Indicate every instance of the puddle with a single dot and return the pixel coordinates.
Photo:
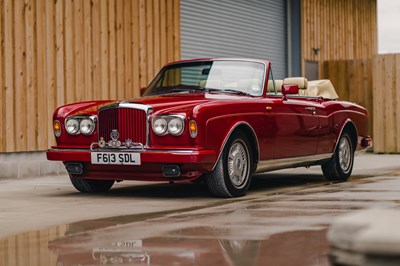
(191, 246)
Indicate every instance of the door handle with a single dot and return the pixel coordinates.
(312, 109)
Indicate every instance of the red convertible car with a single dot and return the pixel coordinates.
(216, 120)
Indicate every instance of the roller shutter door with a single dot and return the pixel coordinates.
(233, 28)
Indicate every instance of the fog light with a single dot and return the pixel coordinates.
(74, 168)
(171, 170)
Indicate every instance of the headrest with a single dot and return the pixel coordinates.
(278, 85)
(299, 81)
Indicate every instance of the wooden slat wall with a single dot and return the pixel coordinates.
(340, 29)
(386, 96)
(375, 84)
(353, 82)
(31, 248)
(57, 52)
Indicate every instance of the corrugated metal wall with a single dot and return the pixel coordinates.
(233, 28)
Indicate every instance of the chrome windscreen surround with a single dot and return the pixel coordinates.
(129, 143)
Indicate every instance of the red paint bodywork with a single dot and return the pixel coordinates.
(280, 127)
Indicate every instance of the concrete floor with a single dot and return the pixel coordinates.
(180, 224)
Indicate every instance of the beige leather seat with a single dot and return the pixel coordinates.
(299, 81)
(278, 85)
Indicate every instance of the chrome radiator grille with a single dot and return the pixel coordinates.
(131, 124)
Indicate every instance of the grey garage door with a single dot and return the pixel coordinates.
(234, 28)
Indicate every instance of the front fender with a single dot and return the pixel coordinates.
(220, 129)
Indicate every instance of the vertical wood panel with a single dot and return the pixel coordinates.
(128, 48)
(2, 95)
(176, 32)
(32, 64)
(142, 44)
(378, 84)
(105, 62)
(79, 47)
(120, 63)
(62, 51)
(386, 101)
(96, 38)
(170, 31)
(163, 29)
(112, 50)
(397, 101)
(20, 75)
(157, 35)
(149, 40)
(136, 47)
(46, 140)
(88, 50)
(41, 97)
(353, 82)
(69, 42)
(341, 29)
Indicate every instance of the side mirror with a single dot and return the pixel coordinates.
(289, 89)
(142, 90)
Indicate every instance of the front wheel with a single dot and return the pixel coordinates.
(340, 166)
(91, 185)
(232, 174)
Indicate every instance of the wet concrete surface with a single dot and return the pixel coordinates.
(282, 221)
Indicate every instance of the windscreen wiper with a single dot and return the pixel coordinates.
(229, 91)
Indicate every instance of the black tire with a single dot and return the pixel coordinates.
(91, 185)
(231, 176)
(340, 166)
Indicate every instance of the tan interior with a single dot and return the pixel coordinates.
(315, 88)
(321, 88)
(299, 81)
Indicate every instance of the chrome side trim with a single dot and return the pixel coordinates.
(293, 162)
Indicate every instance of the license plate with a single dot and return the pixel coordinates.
(124, 158)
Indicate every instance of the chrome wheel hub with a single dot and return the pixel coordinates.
(345, 156)
(238, 164)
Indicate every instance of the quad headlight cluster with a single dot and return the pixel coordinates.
(168, 124)
(80, 125)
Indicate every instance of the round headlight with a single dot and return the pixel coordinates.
(87, 126)
(72, 126)
(160, 126)
(175, 126)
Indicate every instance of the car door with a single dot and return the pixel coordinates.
(297, 127)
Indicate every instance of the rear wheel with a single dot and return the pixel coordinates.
(91, 185)
(232, 174)
(340, 166)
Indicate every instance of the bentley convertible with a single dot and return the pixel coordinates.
(212, 120)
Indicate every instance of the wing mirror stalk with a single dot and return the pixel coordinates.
(289, 89)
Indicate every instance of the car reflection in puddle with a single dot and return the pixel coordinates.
(190, 246)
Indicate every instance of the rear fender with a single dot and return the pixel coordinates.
(347, 124)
